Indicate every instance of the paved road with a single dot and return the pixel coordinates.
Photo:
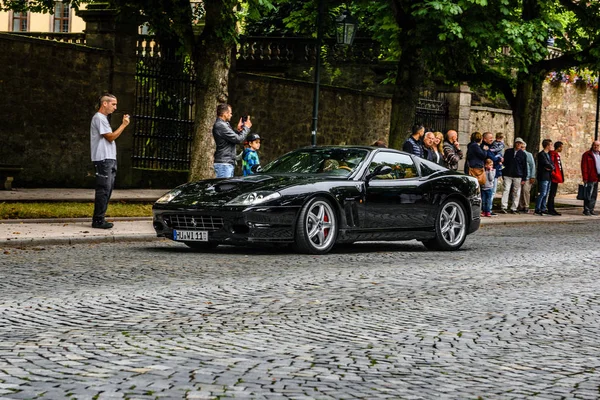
(515, 314)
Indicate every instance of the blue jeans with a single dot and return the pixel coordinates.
(486, 200)
(106, 171)
(540, 202)
(223, 170)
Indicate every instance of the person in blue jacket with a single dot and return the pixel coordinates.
(250, 156)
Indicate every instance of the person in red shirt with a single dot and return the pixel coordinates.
(590, 171)
(557, 176)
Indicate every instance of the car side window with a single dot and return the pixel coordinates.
(402, 165)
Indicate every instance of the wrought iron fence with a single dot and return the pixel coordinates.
(163, 120)
(273, 52)
(432, 111)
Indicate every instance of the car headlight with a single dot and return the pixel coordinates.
(169, 196)
(253, 198)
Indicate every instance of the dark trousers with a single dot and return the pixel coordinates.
(551, 196)
(106, 171)
(590, 202)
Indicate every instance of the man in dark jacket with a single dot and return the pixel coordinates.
(514, 175)
(590, 171)
(544, 177)
(414, 143)
(226, 139)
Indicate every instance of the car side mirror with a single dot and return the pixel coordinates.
(255, 168)
(379, 170)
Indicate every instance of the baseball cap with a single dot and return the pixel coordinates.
(519, 140)
(252, 137)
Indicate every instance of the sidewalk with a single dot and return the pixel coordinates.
(17, 233)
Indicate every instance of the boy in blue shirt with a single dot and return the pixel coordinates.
(250, 156)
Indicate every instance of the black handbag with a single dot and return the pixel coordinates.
(582, 192)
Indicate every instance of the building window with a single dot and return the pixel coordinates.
(62, 17)
(20, 21)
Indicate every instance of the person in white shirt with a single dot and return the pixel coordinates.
(104, 157)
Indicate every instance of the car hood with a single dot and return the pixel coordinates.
(217, 192)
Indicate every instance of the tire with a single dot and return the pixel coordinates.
(317, 228)
(204, 246)
(450, 227)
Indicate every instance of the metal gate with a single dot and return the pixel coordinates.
(432, 112)
(163, 118)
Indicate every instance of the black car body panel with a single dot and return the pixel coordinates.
(401, 206)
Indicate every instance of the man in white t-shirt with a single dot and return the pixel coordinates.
(104, 157)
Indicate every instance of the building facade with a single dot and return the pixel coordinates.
(63, 20)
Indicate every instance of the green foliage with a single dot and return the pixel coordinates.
(71, 210)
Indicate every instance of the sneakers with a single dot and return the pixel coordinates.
(513, 211)
(493, 214)
(554, 212)
(503, 211)
(102, 225)
(586, 212)
(540, 213)
(486, 214)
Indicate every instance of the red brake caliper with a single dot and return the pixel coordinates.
(326, 230)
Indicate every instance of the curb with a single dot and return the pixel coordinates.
(78, 240)
(68, 220)
(543, 220)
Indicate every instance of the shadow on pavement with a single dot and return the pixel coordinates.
(355, 248)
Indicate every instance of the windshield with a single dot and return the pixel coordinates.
(331, 161)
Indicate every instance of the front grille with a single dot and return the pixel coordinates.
(194, 222)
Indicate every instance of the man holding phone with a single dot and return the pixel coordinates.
(104, 157)
(226, 139)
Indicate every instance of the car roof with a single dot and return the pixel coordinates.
(351, 146)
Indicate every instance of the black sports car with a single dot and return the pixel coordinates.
(316, 197)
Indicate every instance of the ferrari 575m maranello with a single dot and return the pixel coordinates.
(316, 197)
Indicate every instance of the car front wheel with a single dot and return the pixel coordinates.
(316, 230)
(450, 227)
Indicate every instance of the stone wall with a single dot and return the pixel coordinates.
(486, 119)
(49, 90)
(569, 115)
(281, 112)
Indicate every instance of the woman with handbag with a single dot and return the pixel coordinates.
(590, 170)
(476, 157)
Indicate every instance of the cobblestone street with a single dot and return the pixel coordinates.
(514, 314)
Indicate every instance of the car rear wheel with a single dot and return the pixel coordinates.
(450, 227)
(201, 245)
(317, 227)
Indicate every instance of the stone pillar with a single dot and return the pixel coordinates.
(111, 30)
(459, 112)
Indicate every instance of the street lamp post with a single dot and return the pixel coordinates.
(345, 32)
(320, 12)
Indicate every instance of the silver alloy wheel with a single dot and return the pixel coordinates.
(453, 224)
(320, 225)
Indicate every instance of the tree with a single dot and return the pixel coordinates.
(500, 44)
(409, 33)
(211, 51)
(506, 48)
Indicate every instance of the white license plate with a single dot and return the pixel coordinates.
(190, 236)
